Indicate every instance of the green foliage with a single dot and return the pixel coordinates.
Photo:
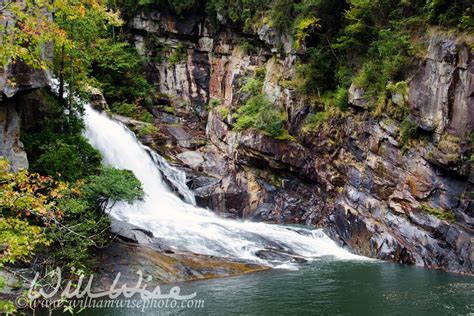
(444, 215)
(147, 129)
(177, 7)
(400, 109)
(146, 117)
(181, 6)
(408, 130)
(7, 307)
(86, 49)
(68, 159)
(118, 72)
(451, 13)
(85, 209)
(304, 26)
(313, 121)
(247, 46)
(132, 110)
(238, 11)
(341, 97)
(56, 146)
(169, 109)
(178, 54)
(387, 60)
(123, 108)
(214, 103)
(253, 86)
(466, 21)
(86, 26)
(315, 74)
(27, 203)
(223, 111)
(20, 239)
(279, 13)
(259, 113)
(38, 211)
(112, 185)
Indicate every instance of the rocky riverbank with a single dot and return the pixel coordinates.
(355, 177)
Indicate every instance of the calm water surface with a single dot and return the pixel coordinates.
(328, 287)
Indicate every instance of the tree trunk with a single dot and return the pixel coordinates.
(61, 74)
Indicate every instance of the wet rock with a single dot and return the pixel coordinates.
(203, 187)
(277, 255)
(97, 99)
(160, 267)
(130, 233)
(182, 137)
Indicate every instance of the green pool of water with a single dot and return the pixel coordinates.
(326, 287)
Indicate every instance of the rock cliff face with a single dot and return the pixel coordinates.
(442, 92)
(10, 145)
(17, 80)
(18, 84)
(354, 178)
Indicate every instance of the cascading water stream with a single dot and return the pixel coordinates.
(180, 224)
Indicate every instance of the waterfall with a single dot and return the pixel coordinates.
(180, 224)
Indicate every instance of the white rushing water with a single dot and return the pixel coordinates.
(183, 226)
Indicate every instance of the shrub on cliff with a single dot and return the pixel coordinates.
(258, 112)
(118, 70)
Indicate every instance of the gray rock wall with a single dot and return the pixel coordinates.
(10, 144)
(442, 91)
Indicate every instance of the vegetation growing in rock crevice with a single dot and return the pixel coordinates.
(55, 145)
(445, 215)
(177, 54)
(258, 112)
(408, 131)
